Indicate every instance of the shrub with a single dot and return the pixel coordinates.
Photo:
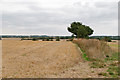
(94, 48)
(51, 39)
(43, 39)
(57, 39)
(34, 39)
(108, 39)
(22, 39)
(62, 37)
(103, 74)
(47, 39)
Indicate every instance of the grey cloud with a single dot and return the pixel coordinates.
(111, 5)
(54, 21)
(34, 23)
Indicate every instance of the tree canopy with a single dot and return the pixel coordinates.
(80, 30)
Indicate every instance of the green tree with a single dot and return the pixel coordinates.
(80, 30)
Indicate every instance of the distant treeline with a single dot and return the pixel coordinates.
(61, 37)
(38, 37)
(101, 37)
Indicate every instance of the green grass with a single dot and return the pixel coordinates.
(103, 74)
(114, 57)
(84, 55)
(113, 67)
(97, 64)
(112, 70)
(114, 45)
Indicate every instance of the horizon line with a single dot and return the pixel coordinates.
(50, 35)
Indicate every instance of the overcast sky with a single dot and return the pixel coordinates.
(52, 17)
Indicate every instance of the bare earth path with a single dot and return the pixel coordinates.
(37, 59)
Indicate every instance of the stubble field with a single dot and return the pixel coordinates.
(0, 59)
(44, 59)
(37, 58)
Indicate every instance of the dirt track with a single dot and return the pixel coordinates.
(38, 59)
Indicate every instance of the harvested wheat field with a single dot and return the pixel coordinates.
(0, 59)
(43, 59)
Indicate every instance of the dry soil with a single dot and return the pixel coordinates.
(44, 59)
